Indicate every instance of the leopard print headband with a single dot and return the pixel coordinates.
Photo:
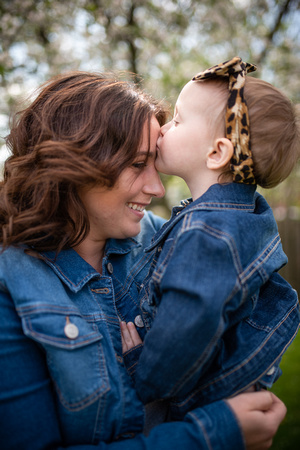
(237, 118)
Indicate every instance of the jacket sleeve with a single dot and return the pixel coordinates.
(200, 277)
(29, 418)
(211, 427)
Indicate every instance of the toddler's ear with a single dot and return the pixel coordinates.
(220, 154)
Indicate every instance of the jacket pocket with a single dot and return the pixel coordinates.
(75, 356)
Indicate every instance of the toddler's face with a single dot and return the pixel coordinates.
(185, 141)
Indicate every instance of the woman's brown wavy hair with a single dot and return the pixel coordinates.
(82, 129)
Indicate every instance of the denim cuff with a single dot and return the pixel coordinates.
(220, 426)
(131, 359)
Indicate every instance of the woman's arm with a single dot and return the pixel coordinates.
(214, 427)
(29, 417)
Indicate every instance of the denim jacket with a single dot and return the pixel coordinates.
(224, 315)
(62, 378)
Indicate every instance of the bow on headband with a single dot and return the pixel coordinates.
(237, 118)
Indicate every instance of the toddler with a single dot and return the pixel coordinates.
(223, 315)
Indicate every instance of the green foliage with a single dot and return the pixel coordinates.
(288, 389)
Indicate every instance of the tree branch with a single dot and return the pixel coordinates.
(284, 9)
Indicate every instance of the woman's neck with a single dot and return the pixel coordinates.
(92, 252)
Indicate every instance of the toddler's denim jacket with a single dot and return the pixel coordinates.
(223, 315)
(63, 383)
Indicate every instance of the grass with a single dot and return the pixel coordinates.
(288, 389)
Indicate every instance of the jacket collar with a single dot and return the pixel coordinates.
(230, 197)
(74, 271)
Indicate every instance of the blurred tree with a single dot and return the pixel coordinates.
(162, 44)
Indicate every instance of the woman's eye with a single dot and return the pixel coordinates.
(139, 165)
(175, 122)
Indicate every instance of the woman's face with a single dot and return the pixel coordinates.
(117, 212)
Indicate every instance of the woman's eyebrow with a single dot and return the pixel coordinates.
(147, 153)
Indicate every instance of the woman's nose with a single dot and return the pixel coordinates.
(153, 185)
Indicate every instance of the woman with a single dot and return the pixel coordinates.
(73, 230)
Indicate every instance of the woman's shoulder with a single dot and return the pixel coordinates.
(14, 260)
(150, 224)
(152, 220)
(13, 254)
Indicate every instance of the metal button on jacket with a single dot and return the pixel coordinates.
(71, 330)
(110, 268)
(271, 371)
(139, 321)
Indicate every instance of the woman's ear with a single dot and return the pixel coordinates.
(220, 154)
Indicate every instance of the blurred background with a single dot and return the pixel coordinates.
(161, 45)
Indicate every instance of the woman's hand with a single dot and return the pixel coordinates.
(259, 414)
(130, 337)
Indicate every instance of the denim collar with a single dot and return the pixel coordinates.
(74, 271)
(231, 196)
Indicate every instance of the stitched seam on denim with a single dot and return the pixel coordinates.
(104, 316)
(47, 308)
(136, 303)
(110, 319)
(242, 274)
(131, 369)
(122, 393)
(159, 271)
(161, 267)
(51, 340)
(262, 258)
(25, 311)
(222, 206)
(223, 377)
(83, 403)
(272, 364)
(226, 238)
(147, 317)
(167, 227)
(186, 227)
(98, 419)
(203, 357)
(245, 362)
(131, 276)
(128, 294)
(202, 206)
(258, 327)
(202, 427)
(81, 282)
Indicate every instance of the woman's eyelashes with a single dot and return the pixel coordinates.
(139, 165)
